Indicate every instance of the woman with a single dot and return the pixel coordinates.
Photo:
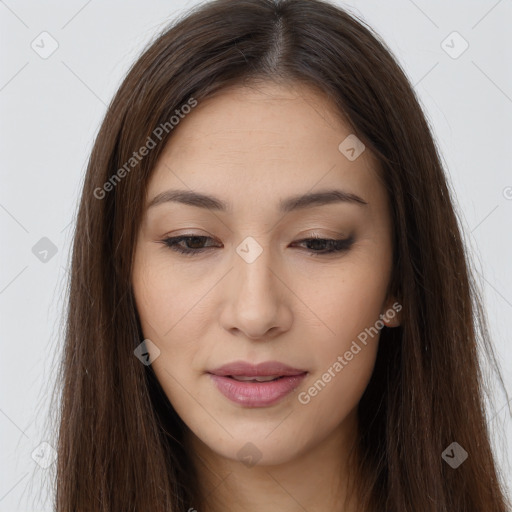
(270, 305)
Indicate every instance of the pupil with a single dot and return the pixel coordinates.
(317, 244)
(195, 240)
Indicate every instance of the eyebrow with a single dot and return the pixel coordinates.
(287, 205)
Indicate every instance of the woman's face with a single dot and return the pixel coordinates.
(254, 289)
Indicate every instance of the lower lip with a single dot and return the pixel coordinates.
(257, 394)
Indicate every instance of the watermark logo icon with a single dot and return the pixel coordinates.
(45, 45)
(249, 250)
(44, 250)
(249, 454)
(454, 455)
(45, 455)
(351, 147)
(147, 352)
(454, 45)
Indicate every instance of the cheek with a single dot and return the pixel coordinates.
(167, 303)
(166, 306)
(346, 301)
(165, 300)
(346, 339)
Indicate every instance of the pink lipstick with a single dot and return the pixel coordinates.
(258, 385)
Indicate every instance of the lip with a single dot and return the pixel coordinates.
(256, 394)
(243, 368)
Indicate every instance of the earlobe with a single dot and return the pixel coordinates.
(395, 322)
(390, 315)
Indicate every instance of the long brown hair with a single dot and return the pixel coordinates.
(120, 442)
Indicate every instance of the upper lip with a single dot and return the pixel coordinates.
(245, 369)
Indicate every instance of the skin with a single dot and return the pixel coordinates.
(252, 147)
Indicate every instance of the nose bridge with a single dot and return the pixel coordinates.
(255, 300)
(253, 275)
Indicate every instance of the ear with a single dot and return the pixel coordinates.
(390, 314)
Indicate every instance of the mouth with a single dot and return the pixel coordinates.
(260, 385)
(245, 378)
(243, 369)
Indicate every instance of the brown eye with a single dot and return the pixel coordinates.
(320, 246)
(193, 244)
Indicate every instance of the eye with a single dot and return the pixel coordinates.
(193, 240)
(316, 246)
(320, 246)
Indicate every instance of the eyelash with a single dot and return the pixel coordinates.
(337, 246)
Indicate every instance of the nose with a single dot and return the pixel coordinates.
(257, 299)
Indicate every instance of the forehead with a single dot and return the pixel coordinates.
(247, 143)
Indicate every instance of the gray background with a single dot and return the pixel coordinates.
(50, 112)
